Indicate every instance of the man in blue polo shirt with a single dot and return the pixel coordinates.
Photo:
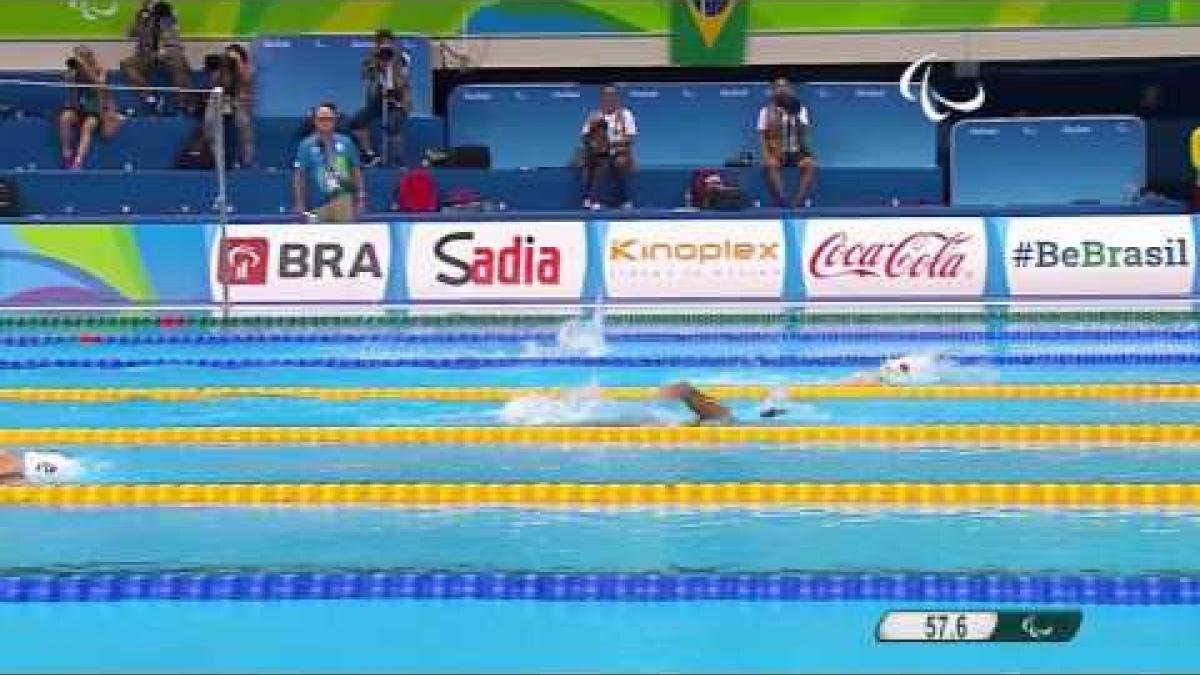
(326, 180)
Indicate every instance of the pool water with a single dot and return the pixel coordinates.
(581, 358)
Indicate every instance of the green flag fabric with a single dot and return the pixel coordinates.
(709, 32)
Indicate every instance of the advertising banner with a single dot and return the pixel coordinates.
(496, 261)
(694, 259)
(112, 264)
(295, 263)
(1100, 255)
(894, 257)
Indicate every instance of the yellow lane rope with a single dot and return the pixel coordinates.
(621, 495)
(1091, 435)
(1160, 391)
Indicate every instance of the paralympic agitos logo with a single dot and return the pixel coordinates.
(933, 103)
(522, 262)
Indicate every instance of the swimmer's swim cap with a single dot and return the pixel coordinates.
(48, 467)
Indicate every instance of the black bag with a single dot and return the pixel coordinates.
(197, 152)
(10, 198)
(727, 198)
(468, 157)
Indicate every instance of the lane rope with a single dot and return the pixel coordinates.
(615, 316)
(1076, 391)
(676, 361)
(627, 495)
(918, 587)
(641, 337)
(1041, 435)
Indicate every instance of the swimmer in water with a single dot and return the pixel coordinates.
(892, 371)
(38, 467)
(709, 410)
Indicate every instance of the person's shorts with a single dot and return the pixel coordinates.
(83, 113)
(795, 157)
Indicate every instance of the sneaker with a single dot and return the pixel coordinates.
(76, 163)
(590, 204)
(627, 205)
(370, 159)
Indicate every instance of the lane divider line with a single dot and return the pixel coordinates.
(1139, 359)
(921, 587)
(1121, 391)
(627, 495)
(975, 435)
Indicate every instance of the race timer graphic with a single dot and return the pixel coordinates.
(979, 626)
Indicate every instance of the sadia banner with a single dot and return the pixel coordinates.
(496, 261)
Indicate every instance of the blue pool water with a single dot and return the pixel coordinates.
(519, 636)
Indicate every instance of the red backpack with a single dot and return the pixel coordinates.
(702, 183)
(416, 192)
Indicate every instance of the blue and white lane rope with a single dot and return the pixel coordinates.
(1151, 589)
(631, 337)
(677, 361)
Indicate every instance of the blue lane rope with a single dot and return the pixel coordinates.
(469, 362)
(782, 335)
(1149, 589)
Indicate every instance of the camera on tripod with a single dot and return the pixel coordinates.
(160, 9)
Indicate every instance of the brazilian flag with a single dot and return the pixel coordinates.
(708, 32)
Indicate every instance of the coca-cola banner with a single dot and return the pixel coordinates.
(1100, 255)
(894, 257)
(695, 259)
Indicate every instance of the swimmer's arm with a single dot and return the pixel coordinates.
(10, 468)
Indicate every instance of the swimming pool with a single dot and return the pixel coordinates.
(539, 509)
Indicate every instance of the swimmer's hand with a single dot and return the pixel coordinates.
(768, 413)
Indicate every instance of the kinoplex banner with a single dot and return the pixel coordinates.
(694, 259)
(894, 257)
(496, 261)
(302, 263)
(1100, 255)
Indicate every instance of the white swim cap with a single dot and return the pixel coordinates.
(49, 467)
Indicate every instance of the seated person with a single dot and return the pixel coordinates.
(608, 136)
(158, 46)
(783, 131)
(88, 108)
(385, 76)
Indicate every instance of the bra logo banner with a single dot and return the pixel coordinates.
(93, 10)
(933, 104)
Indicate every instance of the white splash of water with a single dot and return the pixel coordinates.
(51, 467)
(584, 405)
(576, 337)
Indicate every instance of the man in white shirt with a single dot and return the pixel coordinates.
(783, 138)
(608, 136)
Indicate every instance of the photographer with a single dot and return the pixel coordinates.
(87, 108)
(783, 138)
(385, 75)
(158, 47)
(608, 136)
(232, 72)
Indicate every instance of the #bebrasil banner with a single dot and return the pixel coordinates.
(109, 19)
